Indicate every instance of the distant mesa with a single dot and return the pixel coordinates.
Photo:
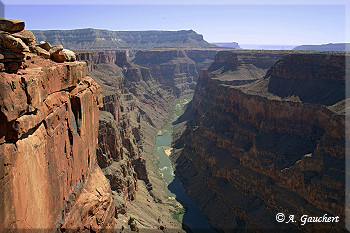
(267, 46)
(325, 47)
(233, 45)
(104, 39)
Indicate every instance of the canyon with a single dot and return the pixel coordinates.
(264, 133)
(249, 149)
(137, 101)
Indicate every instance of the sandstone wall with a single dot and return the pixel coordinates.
(49, 125)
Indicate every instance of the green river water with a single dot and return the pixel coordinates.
(193, 219)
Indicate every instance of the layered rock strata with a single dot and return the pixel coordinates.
(93, 58)
(273, 145)
(90, 38)
(176, 69)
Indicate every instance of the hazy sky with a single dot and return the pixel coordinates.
(225, 21)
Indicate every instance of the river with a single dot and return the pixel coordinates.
(193, 219)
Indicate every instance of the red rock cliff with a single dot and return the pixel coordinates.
(49, 124)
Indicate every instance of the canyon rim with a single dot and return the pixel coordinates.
(255, 139)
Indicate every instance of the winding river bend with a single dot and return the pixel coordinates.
(193, 219)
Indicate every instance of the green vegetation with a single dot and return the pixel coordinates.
(179, 213)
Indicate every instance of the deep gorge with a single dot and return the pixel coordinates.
(144, 91)
(263, 134)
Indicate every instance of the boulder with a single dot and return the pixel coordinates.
(42, 52)
(8, 42)
(55, 49)
(58, 56)
(64, 55)
(26, 36)
(69, 54)
(11, 25)
(45, 45)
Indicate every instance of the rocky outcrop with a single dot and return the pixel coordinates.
(15, 42)
(253, 150)
(48, 138)
(103, 39)
(12, 52)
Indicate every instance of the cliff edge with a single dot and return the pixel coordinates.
(49, 111)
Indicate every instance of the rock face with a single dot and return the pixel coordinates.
(176, 69)
(113, 154)
(92, 206)
(104, 39)
(48, 137)
(93, 58)
(267, 146)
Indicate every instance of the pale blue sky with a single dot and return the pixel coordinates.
(245, 24)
